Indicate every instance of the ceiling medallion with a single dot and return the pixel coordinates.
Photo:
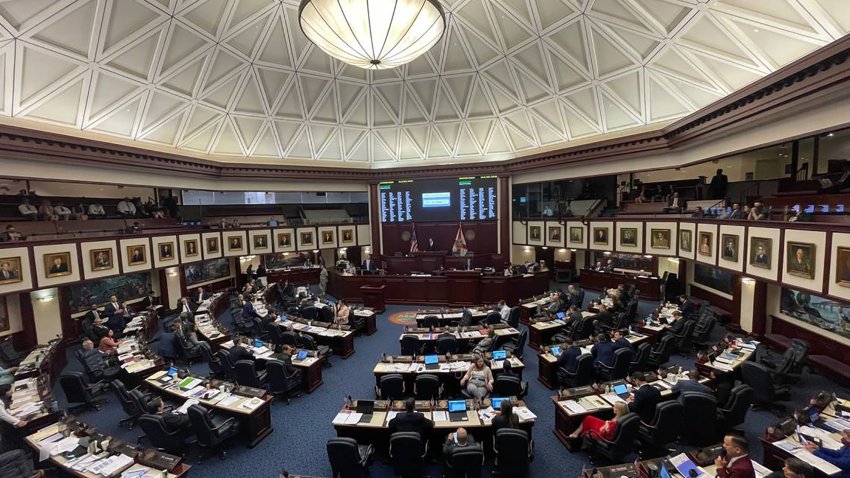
(373, 34)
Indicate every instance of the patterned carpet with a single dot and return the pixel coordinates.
(405, 317)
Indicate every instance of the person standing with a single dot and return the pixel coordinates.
(323, 280)
(718, 185)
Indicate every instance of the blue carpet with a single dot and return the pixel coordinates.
(302, 428)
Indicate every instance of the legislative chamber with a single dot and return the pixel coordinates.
(412, 238)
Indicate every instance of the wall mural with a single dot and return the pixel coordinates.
(821, 312)
(126, 287)
(207, 271)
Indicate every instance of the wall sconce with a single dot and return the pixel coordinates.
(46, 298)
(749, 281)
(674, 260)
(526, 249)
(562, 250)
(573, 250)
(607, 253)
(171, 271)
(544, 248)
(648, 256)
(315, 251)
(246, 258)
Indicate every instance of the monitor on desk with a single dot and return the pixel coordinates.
(500, 354)
(258, 343)
(556, 350)
(302, 354)
(496, 402)
(172, 371)
(560, 315)
(431, 359)
(457, 406)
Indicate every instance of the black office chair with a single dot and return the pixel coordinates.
(132, 407)
(216, 368)
(310, 313)
(189, 351)
(698, 408)
(226, 365)
(620, 445)
(284, 380)
(640, 361)
(660, 354)
(766, 392)
(683, 339)
(427, 387)
(733, 413)
(504, 386)
(289, 338)
(410, 345)
(391, 387)
(97, 371)
(78, 390)
(620, 368)
(465, 462)
(492, 318)
(447, 344)
(8, 353)
(582, 329)
(514, 450)
(247, 375)
(517, 347)
(348, 459)
(584, 373)
(274, 333)
(407, 454)
(663, 429)
(212, 431)
(430, 322)
(513, 318)
(159, 436)
(16, 464)
(326, 314)
(307, 342)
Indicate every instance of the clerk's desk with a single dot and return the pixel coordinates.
(650, 286)
(151, 462)
(311, 367)
(254, 414)
(455, 288)
(465, 335)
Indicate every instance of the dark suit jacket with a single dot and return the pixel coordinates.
(604, 318)
(569, 359)
(369, 265)
(179, 307)
(90, 316)
(646, 398)
(198, 298)
(678, 326)
(109, 310)
(239, 352)
(176, 421)
(683, 386)
(603, 352)
(622, 343)
(742, 468)
(411, 422)
(248, 311)
(688, 308)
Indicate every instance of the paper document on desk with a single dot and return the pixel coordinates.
(524, 414)
(592, 402)
(826, 440)
(486, 414)
(612, 398)
(686, 467)
(347, 417)
(391, 414)
(573, 406)
(184, 409)
(229, 399)
(440, 416)
(66, 444)
(253, 403)
(761, 470)
(721, 366)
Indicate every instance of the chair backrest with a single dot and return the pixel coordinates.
(281, 378)
(430, 321)
(168, 346)
(409, 344)
(513, 319)
(622, 362)
(641, 357)
(246, 374)
(584, 373)
(583, 329)
(520, 343)
(447, 344)
(307, 342)
(226, 365)
(289, 338)
(427, 387)
(310, 312)
(158, 434)
(668, 416)
(466, 462)
(505, 386)
(757, 376)
(345, 458)
(622, 443)
(698, 408)
(127, 403)
(392, 387)
(512, 452)
(203, 425)
(326, 314)
(406, 452)
(212, 361)
(274, 333)
(493, 318)
(74, 386)
(735, 410)
(7, 349)
(664, 348)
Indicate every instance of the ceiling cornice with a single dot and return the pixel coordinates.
(811, 75)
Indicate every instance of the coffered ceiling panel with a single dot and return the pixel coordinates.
(231, 79)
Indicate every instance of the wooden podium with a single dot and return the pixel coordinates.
(373, 296)
(464, 287)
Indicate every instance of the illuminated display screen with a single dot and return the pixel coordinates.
(462, 199)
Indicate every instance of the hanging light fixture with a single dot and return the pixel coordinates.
(373, 34)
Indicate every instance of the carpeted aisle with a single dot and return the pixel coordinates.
(302, 428)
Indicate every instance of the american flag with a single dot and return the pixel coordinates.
(414, 244)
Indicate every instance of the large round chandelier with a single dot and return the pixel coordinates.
(373, 34)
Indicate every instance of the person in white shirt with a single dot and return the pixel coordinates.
(548, 212)
(96, 210)
(184, 307)
(5, 396)
(504, 310)
(28, 210)
(62, 211)
(126, 207)
(7, 375)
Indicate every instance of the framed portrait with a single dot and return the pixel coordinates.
(600, 235)
(660, 238)
(555, 233)
(306, 238)
(800, 259)
(4, 314)
(761, 249)
(327, 237)
(842, 271)
(136, 255)
(57, 264)
(166, 251)
(284, 239)
(261, 241)
(686, 240)
(212, 245)
(628, 236)
(346, 236)
(191, 247)
(729, 246)
(234, 243)
(705, 247)
(576, 234)
(534, 233)
(10, 270)
(101, 259)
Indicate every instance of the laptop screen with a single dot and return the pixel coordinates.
(172, 371)
(430, 359)
(496, 402)
(365, 406)
(499, 355)
(302, 354)
(621, 389)
(258, 343)
(556, 350)
(560, 315)
(813, 414)
(457, 405)
(664, 473)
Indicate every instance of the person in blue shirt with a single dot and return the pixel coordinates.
(839, 458)
(603, 351)
(569, 356)
(7, 375)
(620, 340)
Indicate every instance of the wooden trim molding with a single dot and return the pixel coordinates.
(801, 80)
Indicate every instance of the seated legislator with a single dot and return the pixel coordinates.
(603, 351)
(341, 311)
(456, 441)
(199, 296)
(115, 313)
(7, 375)
(691, 384)
(5, 398)
(478, 380)
(736, 463)
(644, 399)
(95, 361)
(11, 235)
(505, 417)
(504, 310)
(599, 267)
(239, 352)
(369, 265)
(568, 359)
(486, 344)
(794, 468)
(411, 421)
(184, 306)
(27, 210)
(150, 301)
(620, 341)
(839, 458)
(573, 294)
(95, 322)
(108, 345)
(598, 428)
(174, 422)
(603, 318)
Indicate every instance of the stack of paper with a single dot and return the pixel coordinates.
(347, 417)
(184, 409)
(573, 407)
(253, 403)
(441, 416)
(524, 414)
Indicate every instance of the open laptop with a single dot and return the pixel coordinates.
(302, 354)
(172, 371)
(457, 411)
(555, 351)
(500, 354)
(496, 402)
(258, 343)
(560, 315)
(621, 390)
(366, 407)
(432, 362)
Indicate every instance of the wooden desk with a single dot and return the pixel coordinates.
(650, 288)
(341, 339)
(44, 359)
(370, 316)
(450, 371)
(256, 423)
(471, 334)
(528, 307)
(547, 364)
(311, 367)
(541, 331)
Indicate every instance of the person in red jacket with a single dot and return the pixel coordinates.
(736, 463)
